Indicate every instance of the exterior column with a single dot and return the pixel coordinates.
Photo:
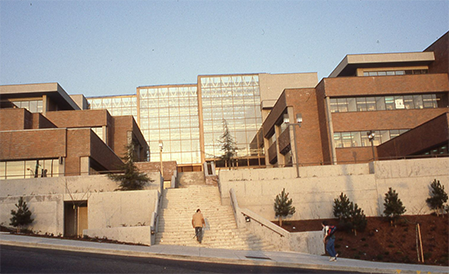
(331, 131)
(85, 165)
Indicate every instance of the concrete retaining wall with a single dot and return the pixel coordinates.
(314, 192)
(117, 215)
(67, 185)
(305, 242)
(136, 235)
(47, 212)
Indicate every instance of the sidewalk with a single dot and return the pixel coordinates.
(224, 256)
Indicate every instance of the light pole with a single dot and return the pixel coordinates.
(298, 123)
(161, 146)
(371, 136)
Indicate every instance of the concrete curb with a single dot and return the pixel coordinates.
(273, 259)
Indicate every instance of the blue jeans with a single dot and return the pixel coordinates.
(330, 248)
(199, 233)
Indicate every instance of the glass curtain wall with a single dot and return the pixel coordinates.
(235, 99)
(116, 105)
(170, 114)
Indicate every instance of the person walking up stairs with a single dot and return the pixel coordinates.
(175, 221)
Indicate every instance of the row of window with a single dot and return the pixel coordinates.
(29, 169)
(241, 80)
(419, 101)
(33, 106)
(395, 72)
(360, 138)
(442, 150)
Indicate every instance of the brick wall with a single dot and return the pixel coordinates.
(15, 119)
(386, 85)
(78, 145)
(149, 167)
(32, 144)
(78, 118)
(102, 154)
(308, 137)
(440, 49)
(423, 137)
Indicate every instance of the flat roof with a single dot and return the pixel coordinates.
(350, 63)
(53, 90)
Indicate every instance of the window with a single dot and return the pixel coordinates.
(337, 140)
(360, 138)
(397, 102)
(408, 102)
(429, 101)
(389, 103)
(361, 104)
(380, 103)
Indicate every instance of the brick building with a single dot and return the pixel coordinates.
(400, 97)
(45, 133)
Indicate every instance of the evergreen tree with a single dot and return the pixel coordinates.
(342, 208)
(358, 218)
(283, 206)
(130, 178)
(22, 216)
(350, 215)
(393, 206)
(437, 197)
(228, 145)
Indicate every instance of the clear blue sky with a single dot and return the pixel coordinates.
(100, 48)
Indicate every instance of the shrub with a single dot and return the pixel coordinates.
(350, 216)
(437, 197)
(342, 208)
(283, 206)
(393, 206)
(22, 216)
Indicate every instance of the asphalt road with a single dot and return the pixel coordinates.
(32, 260)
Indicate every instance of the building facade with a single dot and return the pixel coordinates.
(44, 133)
(186, 121)
(366, 101)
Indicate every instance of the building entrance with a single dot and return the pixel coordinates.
(75, 218)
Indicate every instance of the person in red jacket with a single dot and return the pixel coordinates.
(329, 240)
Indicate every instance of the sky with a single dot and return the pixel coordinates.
(100, 48)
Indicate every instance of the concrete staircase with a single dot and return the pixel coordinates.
(175, 222)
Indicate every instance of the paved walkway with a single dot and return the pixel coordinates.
(224, 256)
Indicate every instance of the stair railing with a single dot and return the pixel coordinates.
(155, 219)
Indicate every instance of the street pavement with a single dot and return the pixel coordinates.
(222, 256)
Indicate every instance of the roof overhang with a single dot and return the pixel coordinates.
(350, 63)
(53, 90)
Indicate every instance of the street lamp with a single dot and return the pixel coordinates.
(161, 146)
(298, 123)
(371, 136)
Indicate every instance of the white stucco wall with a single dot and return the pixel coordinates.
(313, 194)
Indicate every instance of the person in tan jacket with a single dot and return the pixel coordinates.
(198, 223)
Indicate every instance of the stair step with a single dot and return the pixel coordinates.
(179, 205)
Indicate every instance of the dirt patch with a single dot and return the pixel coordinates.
(382, 242)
